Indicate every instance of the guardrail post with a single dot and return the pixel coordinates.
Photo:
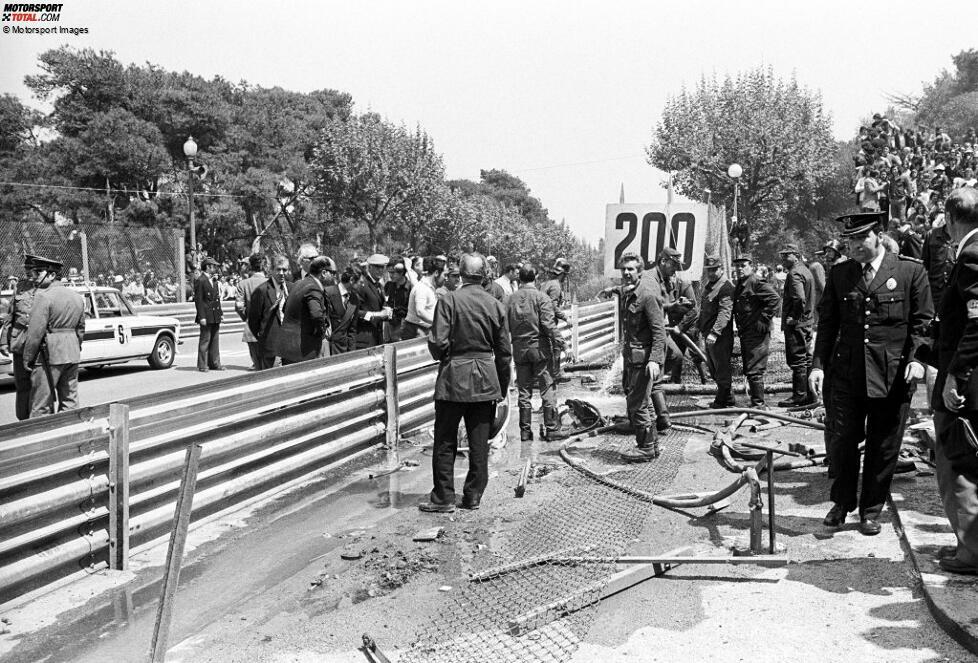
(118, 486)
(181, 265)
(174, 554)
(617, 315)
(393, 405)
(575, 336)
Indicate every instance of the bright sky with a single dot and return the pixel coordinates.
(563, 94)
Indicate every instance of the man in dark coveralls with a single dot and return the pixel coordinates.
(643, 353)
(12, 335)
(873, 331)
(470, 340)
(754, 305)
(797, 317)
(555, 288)
(956, 394)
(715, 324)
(530, 315)
(52, 347)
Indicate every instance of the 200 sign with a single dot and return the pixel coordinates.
(658, 218)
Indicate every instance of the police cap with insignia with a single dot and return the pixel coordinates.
(42, 264)
(670, 253)
(744, 257)
(712, 263)
(857, 224)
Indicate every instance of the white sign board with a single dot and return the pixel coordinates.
(647, 228)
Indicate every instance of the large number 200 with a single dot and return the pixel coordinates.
(660, 236)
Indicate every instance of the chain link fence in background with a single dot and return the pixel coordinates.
(129, 258)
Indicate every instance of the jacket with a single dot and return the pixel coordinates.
(798, 304)
(371, 296)
(207, 300)
(957, 343)
(263, 314)
(671, 290)
(716, 308)
(342, 320)
(18, 317)
(470, 340)
(243, 297)
(754, 304)
(869, 333)
(532, 326)
(306, 318)
(643, 324)
(58, 321)
(938, 257)
(555, 290)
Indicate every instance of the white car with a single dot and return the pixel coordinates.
(114, 334)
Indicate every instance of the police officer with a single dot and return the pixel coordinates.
(797, 308)
(52, 347)
(715, 324)
(832, 255)
(754, 304)
(554, 288)
(470, 340)
(938, 256)
(12, 336)
(643, 353)
(530, 315)
(873, 334)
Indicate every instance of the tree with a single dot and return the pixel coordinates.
(951, 101)
(368, 170)
(775, 129)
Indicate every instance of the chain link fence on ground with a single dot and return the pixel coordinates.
(126, 257)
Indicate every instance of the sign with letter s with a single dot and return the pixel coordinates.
(647, 228)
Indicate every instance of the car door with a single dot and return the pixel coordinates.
(114, 329)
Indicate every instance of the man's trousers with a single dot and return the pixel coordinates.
(478, 418)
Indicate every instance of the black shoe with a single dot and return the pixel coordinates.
(662, 423)
(526, 436)
(869, 526)
(954, 565)
(835, 517)
(434, 507)
(471, 504)
(203, 370)
(789, 402)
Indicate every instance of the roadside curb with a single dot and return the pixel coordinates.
(923, 530)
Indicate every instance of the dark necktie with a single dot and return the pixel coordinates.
(868, 274)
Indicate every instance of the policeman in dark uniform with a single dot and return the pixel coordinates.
(533, 329)
(52, 345)
(754, 304)
(679, 307)
(470, 340)
(12, 335)
(832, 255)
(715, 325)
(938, 256)
(555, 288)
(872, 335)
(797, 317)
(643, 353)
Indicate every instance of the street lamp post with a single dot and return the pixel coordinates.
(734, 171)
(190, 151)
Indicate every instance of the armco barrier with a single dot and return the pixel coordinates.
(78, 488)
(187, 314)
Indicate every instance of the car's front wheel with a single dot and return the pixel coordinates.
(163, 353)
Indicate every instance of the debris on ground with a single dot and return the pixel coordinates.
(430, 534)
(395, 568)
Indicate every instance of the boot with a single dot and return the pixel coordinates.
(553, 430)
(526, 424)
(756, 390)
(662, 422)
(647, 447)
(799, 391)
(702, 371)
(724, 399)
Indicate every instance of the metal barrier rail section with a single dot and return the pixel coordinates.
(186, 313)
(78, 489)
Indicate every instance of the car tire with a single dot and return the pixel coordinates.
(164, 352)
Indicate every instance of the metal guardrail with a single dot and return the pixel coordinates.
(78, 488)
(186, 313)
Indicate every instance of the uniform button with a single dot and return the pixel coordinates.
(867, 299)
(866, 341)
(865, 326)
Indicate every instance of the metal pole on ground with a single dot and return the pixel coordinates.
(174, 554)
(393, 406)
(118, 486)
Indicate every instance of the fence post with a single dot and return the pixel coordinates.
(181, 263)
(575, 336)
(83, 236)
(617, 314)
(393, 405)
(174, 554)
(118, 486)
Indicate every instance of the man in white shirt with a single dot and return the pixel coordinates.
(508, 280)
(421, 303)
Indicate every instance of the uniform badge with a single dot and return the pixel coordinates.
(973, 309)
(891, 284)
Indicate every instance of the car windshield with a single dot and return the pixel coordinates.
(111, 305)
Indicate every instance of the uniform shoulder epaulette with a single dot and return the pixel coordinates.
(911, 259)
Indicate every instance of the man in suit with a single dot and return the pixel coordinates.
(266, 311)
(14, 330)
(246, 287)
(874, 333)
(797, 318)
(373, 310)
(207, 299)
(715, 324)
(754, 304)
(305, 315)
(343, 305)
(956, 393)
(470, 340)
(52, 347)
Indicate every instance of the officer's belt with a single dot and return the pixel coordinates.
(473, 355)
(63, 330)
